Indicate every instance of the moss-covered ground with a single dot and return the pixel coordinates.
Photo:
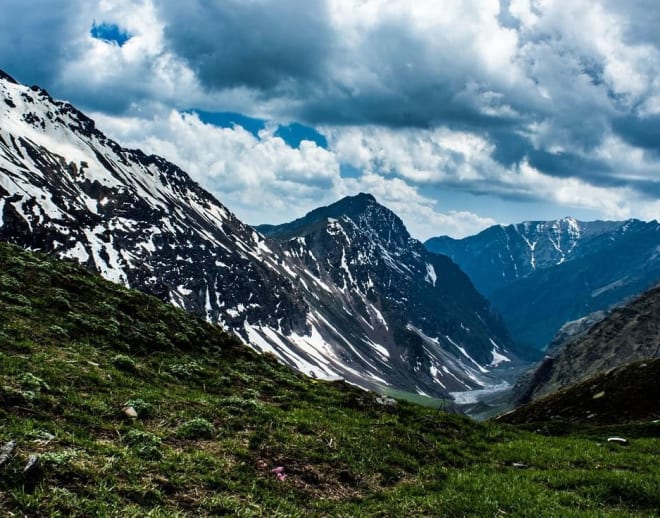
(213, 420)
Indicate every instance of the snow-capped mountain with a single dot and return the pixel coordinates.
(542, 274)
(139, 220)
(417, 309)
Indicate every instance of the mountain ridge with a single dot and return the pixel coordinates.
(562, 269)
(139, 220)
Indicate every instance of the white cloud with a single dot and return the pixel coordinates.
(264, 180)
(464, 161)
(255, 175)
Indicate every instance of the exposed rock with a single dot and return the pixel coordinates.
(32, 466)
(618, 440)
(6, 453)
(386, 401)
(129, 412)
(629, 333)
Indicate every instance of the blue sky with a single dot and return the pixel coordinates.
(456, 114)
(109, 33)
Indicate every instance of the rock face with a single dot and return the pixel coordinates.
(629, 393)
(629, 333)
(354, 298)
(539, 275)
(417, 309)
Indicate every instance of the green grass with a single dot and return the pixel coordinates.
(215, 418)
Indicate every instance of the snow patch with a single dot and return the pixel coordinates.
(470, 397)
(498, 357)
(431, 276)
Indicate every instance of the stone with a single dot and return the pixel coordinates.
(129, 412)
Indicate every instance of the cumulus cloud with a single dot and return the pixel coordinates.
(545, 82)
(523, 100)
(248, 172)
(465, 161)
(266, 180)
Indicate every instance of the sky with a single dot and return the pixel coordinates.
(456, 114)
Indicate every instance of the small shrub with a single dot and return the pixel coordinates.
(31, 382)
(18, 299)
(145, 445)
(58, 458)
(59, 331)
(60, 300)
(7, 281)
(198, 428)
(185, 370)
(124, 362)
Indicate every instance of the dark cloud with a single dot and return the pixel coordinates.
(289, 49)
(642, 19)
(261, 44)
(643, 132)
(566, 165)
(35, 38)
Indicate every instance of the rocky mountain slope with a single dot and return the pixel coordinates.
(418, 306)
(139, 220)
(629, 333)
(625, 394)
(539, 275)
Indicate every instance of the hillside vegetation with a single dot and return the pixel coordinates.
(79, 355)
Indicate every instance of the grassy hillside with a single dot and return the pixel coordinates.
(213, 420)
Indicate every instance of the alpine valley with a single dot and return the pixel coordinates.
(343, 292)
(541, 274)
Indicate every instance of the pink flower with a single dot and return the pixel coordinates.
(279, 471)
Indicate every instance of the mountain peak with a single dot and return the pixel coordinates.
(348, 206)
(356, 297)
(589, 265)
(362, 209)
(362, 197)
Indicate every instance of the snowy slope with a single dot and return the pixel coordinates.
(417, 311)
(139, 220)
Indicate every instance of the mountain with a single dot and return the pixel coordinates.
(539, 275)
(625, 394)
(419, 307)
(66, 189)
(125, 406)
(629, 333)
